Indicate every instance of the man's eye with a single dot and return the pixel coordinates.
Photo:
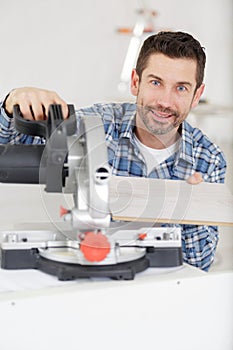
(181, 88)
(156, 82)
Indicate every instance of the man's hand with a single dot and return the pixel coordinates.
(195, 179)
(33, 102)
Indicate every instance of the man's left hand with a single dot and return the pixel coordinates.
(195, 179)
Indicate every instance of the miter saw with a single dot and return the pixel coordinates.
(76, 162)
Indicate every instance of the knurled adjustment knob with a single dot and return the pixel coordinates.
(95, 246)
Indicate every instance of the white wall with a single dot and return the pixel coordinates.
(72, 46)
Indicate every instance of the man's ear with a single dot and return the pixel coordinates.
(197, 95)
(134, 82)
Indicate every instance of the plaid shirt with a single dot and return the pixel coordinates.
(196, 153)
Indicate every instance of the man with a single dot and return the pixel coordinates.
(150, 138)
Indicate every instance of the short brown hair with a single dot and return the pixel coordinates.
(174, 45)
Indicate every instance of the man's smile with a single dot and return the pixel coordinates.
(161, 116)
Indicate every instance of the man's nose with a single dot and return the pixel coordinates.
(165, 98)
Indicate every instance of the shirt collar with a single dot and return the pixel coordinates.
(186, 145)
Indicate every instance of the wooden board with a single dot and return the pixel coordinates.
(170, 201)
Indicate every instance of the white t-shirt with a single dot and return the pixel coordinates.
(155, 156)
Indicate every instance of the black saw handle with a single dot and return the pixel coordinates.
(39, 164)
(45, 128)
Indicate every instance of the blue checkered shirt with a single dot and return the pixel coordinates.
(196, 153)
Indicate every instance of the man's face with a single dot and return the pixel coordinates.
(166, 93)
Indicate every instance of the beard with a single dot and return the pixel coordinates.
(157, 127)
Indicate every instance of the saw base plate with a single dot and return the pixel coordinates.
(66, 272)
